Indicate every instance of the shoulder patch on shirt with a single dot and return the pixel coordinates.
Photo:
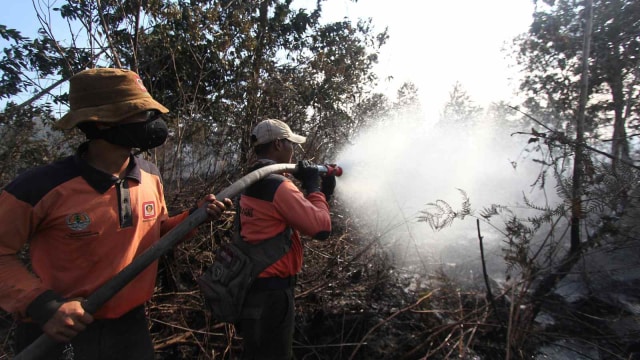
(78, 221)
(265, 189)
(32, 185)
(148, 167)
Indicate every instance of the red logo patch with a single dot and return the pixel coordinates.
(141, 85)
(148, 210)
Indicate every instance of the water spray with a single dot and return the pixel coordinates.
(39, 348)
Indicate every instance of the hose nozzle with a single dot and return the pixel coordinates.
(329, 170)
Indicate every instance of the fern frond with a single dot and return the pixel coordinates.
(439, 215)
(493, 210)
(466, 205)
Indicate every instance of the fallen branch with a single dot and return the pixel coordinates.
(362, 341)
(486, 276)
(176, 339)
(326, 282)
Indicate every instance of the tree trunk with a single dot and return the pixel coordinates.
(576, 212)
(253, 88)
(549, 282)
(619, 145)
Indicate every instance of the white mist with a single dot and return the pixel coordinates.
(394, 169)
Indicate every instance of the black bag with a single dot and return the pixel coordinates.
(227, 281)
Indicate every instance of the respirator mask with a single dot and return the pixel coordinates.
(143, 135)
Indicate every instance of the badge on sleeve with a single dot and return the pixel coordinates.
(148, 210)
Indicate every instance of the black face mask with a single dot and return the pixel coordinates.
(142, 135)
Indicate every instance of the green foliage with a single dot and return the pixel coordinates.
(551, 55)
(220, 66)
(506, 117)
(460, 109)
(26, 142)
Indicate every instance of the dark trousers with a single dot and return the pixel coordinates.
(267, 322)
(124, 338)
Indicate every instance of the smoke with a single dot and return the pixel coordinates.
(395, 168)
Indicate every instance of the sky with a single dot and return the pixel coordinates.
(435, 44)
(20, 15)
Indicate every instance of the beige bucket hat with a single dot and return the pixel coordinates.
(106, 95)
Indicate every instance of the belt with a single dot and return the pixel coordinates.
(273, 283)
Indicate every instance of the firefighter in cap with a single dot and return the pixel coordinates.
(85, 218)
(275, 207)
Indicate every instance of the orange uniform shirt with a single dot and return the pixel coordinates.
(83, 226)
(274, 203)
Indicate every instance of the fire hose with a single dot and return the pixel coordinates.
(94, 302)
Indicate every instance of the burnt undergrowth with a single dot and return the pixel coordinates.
(354, 302)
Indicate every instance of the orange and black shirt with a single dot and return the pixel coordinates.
(83, 226)
(272, 204)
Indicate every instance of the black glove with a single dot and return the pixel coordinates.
(308, 175)
(328, 185)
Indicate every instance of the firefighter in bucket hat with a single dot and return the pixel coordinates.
(85, 218)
